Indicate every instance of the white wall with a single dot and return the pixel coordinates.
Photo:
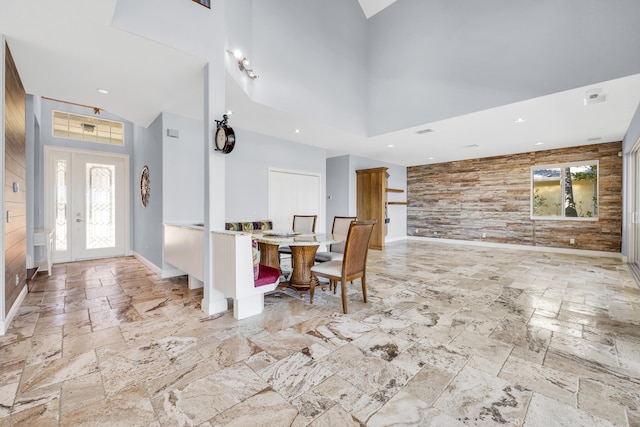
(147, 220)
(311, 56)
(397, 228)
(436, 59)
(339, 198)
(345, 189)
(183, 169)
(247, 168)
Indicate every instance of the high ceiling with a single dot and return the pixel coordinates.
(68, 49)
(371, 7)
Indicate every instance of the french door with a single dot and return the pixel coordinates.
(86, 203)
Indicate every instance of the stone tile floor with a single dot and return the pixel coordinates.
(451, 336)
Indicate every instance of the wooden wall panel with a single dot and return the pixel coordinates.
(15, 238)
(464, 199)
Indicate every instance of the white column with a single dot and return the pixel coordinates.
(213, 300)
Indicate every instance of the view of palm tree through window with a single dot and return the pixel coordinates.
(565, 191)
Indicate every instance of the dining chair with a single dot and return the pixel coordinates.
(353, 264)
(301, 224)
(336, 250)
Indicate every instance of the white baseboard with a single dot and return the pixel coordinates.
(4, 323)
(163, 273)
(582, 252)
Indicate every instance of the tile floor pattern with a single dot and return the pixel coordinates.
(451, 336)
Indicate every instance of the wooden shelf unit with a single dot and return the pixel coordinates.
(371, 197)
(396, 190)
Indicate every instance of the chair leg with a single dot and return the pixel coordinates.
(364, 286)
(312, 288)
(335, 286)
(344, 296)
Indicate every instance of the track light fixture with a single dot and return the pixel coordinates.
(243, 64)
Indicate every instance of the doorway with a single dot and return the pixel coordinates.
(86, 203)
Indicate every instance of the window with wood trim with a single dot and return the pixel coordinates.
(565, 191)
(87, 128)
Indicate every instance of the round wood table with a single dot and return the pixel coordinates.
(303, 252)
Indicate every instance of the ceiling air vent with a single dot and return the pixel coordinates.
(423, 131)
(88, 127)
(594, 96)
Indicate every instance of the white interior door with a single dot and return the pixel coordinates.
(293, 193)
(86, 203)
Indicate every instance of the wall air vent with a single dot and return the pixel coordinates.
(88, 127)
(423, 131)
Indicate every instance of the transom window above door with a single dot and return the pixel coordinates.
(87, 128)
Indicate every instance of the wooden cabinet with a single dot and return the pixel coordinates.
(371, 197)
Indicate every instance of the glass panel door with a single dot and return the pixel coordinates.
(85, 202)
(100, 221)
(98, 191)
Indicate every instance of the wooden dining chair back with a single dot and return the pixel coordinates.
(301, 224)
(304, 223)
(336, 250)
(340, 227)
(353, 265)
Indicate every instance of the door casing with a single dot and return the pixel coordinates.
(49, 192)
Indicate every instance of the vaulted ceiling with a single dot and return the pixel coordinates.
(468, 94)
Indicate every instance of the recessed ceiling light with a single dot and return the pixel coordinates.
(297, 131)
(471, 146)
(390, 146)
(103, 91)
(431, 158)
(539, 143)
(520, 120)
(229, 113)
(420, 132)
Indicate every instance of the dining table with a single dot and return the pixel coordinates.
(303, 252)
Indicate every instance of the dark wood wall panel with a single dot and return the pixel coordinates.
(15, 238)
(462, 200)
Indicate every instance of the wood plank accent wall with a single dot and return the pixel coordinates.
(15, 237)
(464, 199)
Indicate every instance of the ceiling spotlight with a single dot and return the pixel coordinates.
(243, 64)
(431, 158)
(539, 143)
(390, 146)
(297, 131)
(104, 91)
(520, 120)
(229, 113)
